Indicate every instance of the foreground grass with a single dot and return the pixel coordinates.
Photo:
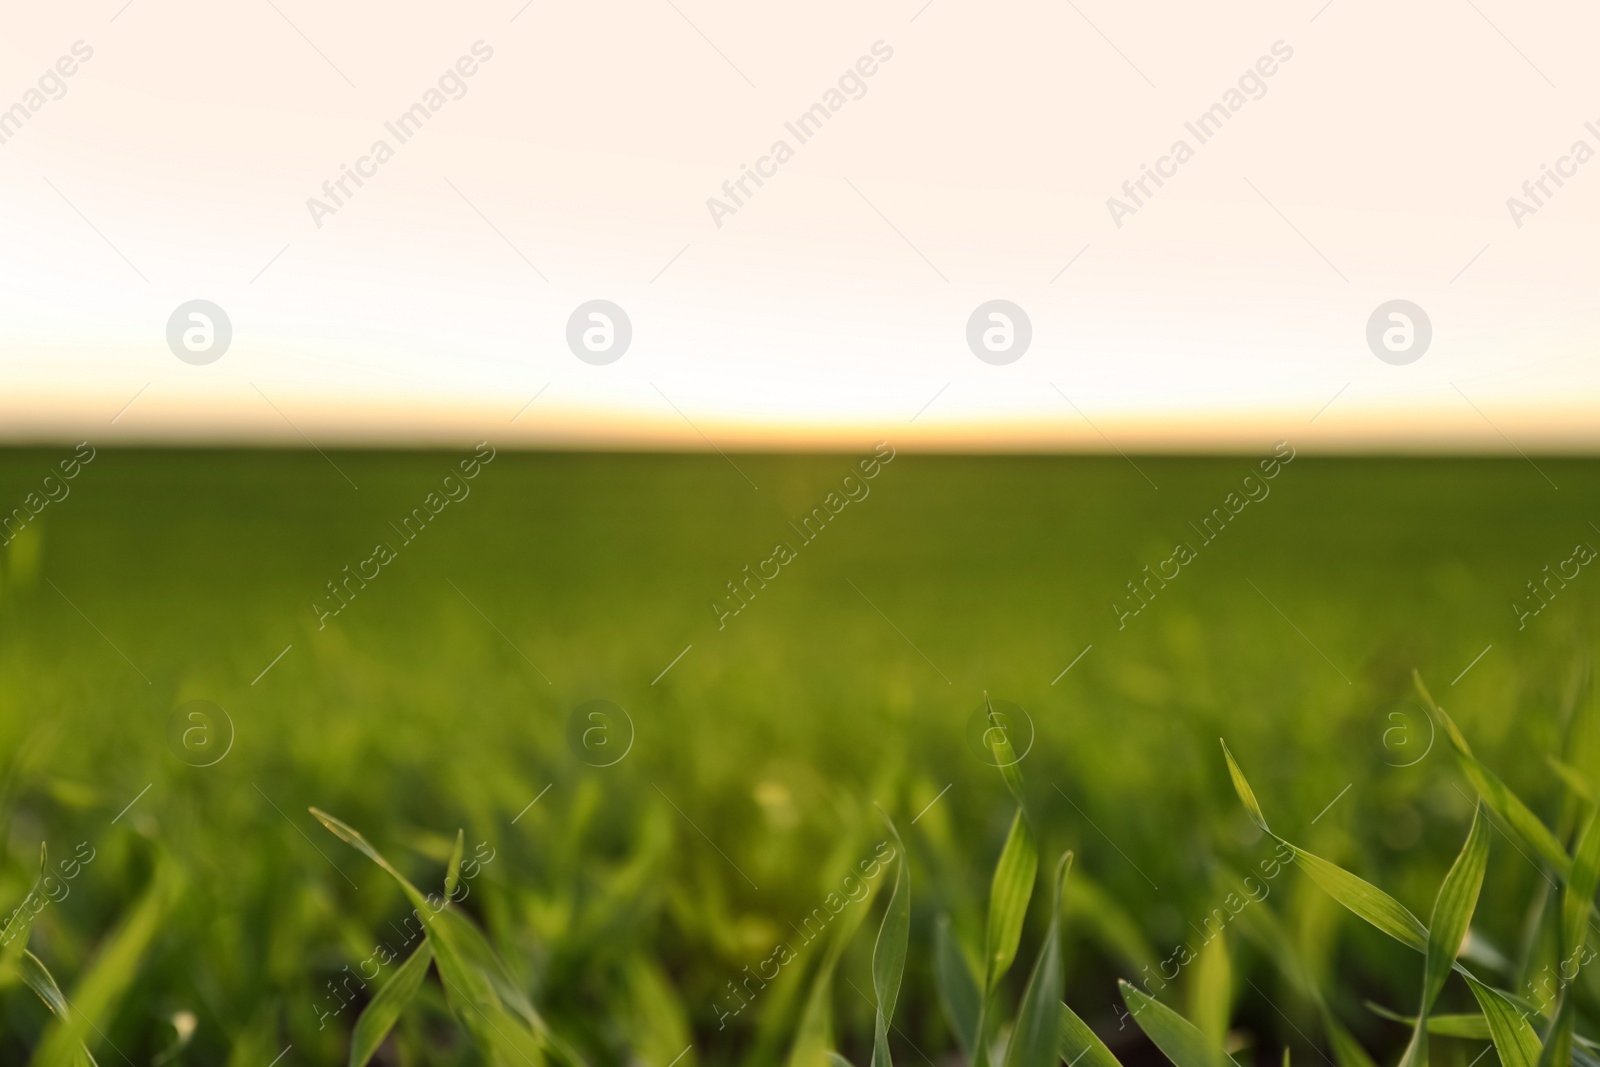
(632, 903)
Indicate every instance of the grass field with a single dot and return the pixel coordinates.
(629, 899)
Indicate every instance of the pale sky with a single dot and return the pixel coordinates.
(831, 306)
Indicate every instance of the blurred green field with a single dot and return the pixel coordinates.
(628, 897)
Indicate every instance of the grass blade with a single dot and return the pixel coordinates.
(481, 992)
(1577, 903)
(998, 738)
(1009, 893)
(1557, 1050)
(1037, 1033)
(657, 1026)
(1177, 1038)
(1453, 908)
(113, 970)
(14, 939)
(889, 952)
(38, 978)
(385, 1008)
(1211, 990)
(1506, 804)
(1501, 800)
(1474, 1027)
(1577, 899)
(813, 1041)
(1247, 796)
(1347, 1051)
(1573, 779)
(1357, 894)
(1078, 1045)
(1103, 918)
(1011, 887)
(958, 990)
(1266, 930)
(452, 870)
(1514, 1040)
(351, 836)
(1365, 899)
(1452, 917)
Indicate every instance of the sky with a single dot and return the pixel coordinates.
(959, 154)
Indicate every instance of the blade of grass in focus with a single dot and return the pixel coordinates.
(1177, 1038)
(889, 952)
(1036, 1035)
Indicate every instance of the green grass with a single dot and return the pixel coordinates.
(627, 898)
